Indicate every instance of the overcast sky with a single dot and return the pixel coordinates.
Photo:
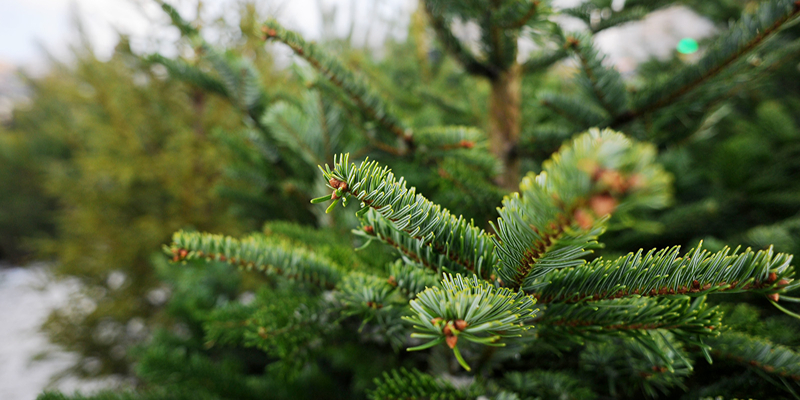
(24, 24)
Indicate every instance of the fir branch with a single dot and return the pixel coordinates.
(361, 291)
(573, 109)
(633, 365)
(539, 61)
(661, 273)
(524, 18)
(357, 89)
(604, 83)
(454, 46)
(412, 385)
(757, 353)
(257, 251)
(547, 384)
(189, 73)
(556, 218)
(410, 279)
(450, 138)
(746, 35)
(412, 250)
(630, 317)
(184, 26)
(377, 188)
(469, 309)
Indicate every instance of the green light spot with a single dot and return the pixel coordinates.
(687, 46)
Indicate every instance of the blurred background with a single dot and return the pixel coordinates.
(104, 152)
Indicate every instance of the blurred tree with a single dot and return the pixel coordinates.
(622, 327)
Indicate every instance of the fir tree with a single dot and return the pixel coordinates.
(520, 307)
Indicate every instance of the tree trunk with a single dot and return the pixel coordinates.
(504, 119)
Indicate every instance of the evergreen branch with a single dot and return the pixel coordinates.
(377, 188)
(262, 252)
(471, 309)
(632, 365)
(412, 250)
(543, 60)
(524, 18)
(757, 353)
(450, 138)
(239, 77)
(604, 83)
(358, 291)
(410, 279)
(546, 384)
(412, 385)
(631, 316)
(456, 48)
(573, 109)
(746, 35)
(357, 89)
(556, 218)
(190, 74)
(663, 272)
(184, 26)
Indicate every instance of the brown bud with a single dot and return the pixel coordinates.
(460, 324)
(436, 320)
(572, 42)
(343, 186)
(174, 251)
(466, 144)
(176, 259)
(448, 331)
(183, 253)
(334, 196)
(603, 204)
(614, 180)
(451, 341)
(334, 183)
(583, 218)
(222, 258)
(772, 277)
(392, 281)
(783, 282)
(369, 229)
(773, 296)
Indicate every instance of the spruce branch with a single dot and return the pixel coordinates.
(774, 359)
(467, 246)
(332, 69)
(557, 216)
(663, 272)
(469, 309)
(258, 251)
(751, 31)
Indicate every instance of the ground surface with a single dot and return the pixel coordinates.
(28, 363)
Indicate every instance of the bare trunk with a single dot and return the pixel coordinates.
(504, 118)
